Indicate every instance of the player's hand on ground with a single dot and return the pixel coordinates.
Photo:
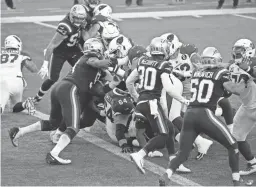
(43, 71)
(127, 148)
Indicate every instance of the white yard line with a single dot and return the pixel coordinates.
(46, 25)
(150, 166)
(243, 16)
(134, 15)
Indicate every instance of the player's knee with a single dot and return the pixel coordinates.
(47, 126)
(71, 132)
(47, 84)
(233, 148)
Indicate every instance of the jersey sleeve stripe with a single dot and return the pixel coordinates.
(161, 65)
(66, 25)
(218, 75)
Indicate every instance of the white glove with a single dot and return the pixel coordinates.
(44, 70)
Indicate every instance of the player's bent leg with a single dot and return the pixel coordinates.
(71, 111)
(187, 138)
(244, 122)
(15, 133)
(227, 112)
(214, 128)
(56, 64)
(5, 94)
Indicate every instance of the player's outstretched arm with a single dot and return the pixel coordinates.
(96, 63)
(131, 79)
(31, 66)
(170, 89)
(232, 87)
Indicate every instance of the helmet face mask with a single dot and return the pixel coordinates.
(93, 3)
(242, 49)
(78, 15)
(159, 47)
(211, 57)
(94, 45)
(13, 42)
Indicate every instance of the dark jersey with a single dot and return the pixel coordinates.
(207, 87)
(82, 74)
(150, 82)
(73, 33)
(188, 49)
(119, 101)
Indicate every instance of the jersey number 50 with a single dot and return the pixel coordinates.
(202, 91)
(147, 77)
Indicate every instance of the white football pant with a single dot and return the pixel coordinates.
(11, 88)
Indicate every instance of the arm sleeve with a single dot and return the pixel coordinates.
(64, 29)
(130, 84)
(170, 88)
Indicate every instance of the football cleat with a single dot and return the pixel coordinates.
(138, 160)
(55, 160)
(251, 168)
(202, 148)
(29, 105)
(183, 169)
(164, 180)
(12, 133)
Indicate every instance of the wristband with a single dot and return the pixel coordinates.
(46, 63)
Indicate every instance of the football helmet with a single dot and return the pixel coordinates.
(159, 46)
(109, 32)
(78, 15)
(243, 48)
(94, 45)
(103, 9)
(93, 3)
(119, 47)
(211, 56)
(174, 42)
(13, 42)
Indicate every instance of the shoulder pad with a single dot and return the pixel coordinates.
(64, 28)
(222, 73)
(188, 49)
(26, 56)
(165, 66)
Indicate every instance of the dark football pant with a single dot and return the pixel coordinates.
(159, 126)
(9, 3)
(56, 63)
(202, 120)
(221, 2)
(65, 106)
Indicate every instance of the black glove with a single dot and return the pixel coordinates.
(127, 148)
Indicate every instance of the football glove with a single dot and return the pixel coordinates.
(126, 148)
(44, 70)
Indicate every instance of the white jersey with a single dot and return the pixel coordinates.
(247, 91)
(12, 62)
(183, 64)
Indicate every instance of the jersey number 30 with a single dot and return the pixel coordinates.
(147, 77)
(202, 91)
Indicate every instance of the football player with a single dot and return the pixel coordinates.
(153, 75)
(13, 59)
(63, 47)
(103, 25)
(207, 86)
(119, 107)
(68, 98)
(242, 84)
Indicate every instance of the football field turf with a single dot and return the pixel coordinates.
(94, 160)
